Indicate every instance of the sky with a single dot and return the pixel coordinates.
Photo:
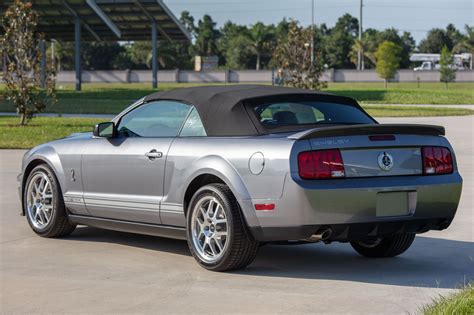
(416, 16)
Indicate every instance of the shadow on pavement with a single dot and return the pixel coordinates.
(430, 262)
(89, 234)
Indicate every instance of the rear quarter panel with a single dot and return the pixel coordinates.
(228, 159)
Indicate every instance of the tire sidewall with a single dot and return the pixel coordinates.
(386, 247)
(43, 168)
(215, 192)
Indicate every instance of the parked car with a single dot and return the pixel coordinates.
(230, 168)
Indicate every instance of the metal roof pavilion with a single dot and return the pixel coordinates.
(114, 20)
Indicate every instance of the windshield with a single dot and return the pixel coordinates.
(281, 114)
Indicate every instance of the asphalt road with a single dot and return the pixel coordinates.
(95, 271)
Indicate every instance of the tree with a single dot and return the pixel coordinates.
(435, 41)
(367, 47)
(25, 86)
(100, 55)
(187, 20)
(281, 29)
(234, 46)
(406, 42)
(171, 55)
(454, 35)
(140, 54)
(388, 60)
(340, 41)
(447, 71)
(293, 56)
(124, 60)
(408, 46)
(174, 55)
(96, 56)
(261, 40)
(238, 54)
(207, 37)
(466, 45)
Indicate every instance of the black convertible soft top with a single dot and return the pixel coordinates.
(223, 109)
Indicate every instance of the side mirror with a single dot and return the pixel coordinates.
(105, 130)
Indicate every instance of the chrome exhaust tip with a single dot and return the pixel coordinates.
(322, 235)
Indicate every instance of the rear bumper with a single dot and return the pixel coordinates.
(351, 207)
(349, 232)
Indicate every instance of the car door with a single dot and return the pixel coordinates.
(123, 175)
(171, 209)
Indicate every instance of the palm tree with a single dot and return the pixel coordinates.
(466, 44)
(366, 47)
(261, 37)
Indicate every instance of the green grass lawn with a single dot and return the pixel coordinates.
(406, 93)
(461, 303)
(415, 111)
(40, 130)
(110, 98)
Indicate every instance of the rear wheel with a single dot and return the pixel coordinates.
(217, 236)
(385, 247)
(44, 204)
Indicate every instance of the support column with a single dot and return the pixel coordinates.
(77, 52)
(42, 47)
(154, 52)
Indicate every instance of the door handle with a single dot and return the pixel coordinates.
(153, 154)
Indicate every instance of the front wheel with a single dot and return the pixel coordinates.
(217, 236)
(44, 204)
(390, 246)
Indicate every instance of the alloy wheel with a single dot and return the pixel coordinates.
(39, 200)
(210, 229)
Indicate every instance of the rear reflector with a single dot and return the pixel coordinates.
(265, 206)
(382, 138)
(436, 160)
(320, 164)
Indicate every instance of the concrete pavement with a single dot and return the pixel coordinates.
(96, 271)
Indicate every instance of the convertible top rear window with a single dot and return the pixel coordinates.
(309, 113)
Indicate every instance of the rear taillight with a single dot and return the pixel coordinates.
(436, 160)
(320, 164)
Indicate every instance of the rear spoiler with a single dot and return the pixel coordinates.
(370, 129)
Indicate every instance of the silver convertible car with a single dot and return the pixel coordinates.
(229, 168)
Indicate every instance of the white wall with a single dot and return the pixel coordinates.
(248, 76)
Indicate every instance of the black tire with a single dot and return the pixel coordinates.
(242, 248)
(390, 246)
(59, 224)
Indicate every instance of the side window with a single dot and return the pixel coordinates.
(193, 126)
(154, 119)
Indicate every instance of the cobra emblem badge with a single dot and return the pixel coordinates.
(385, 161)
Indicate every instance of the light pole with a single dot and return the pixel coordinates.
(360, 57)
(312, 32)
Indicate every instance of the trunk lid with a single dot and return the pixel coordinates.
(376, 150)
(382, 161)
